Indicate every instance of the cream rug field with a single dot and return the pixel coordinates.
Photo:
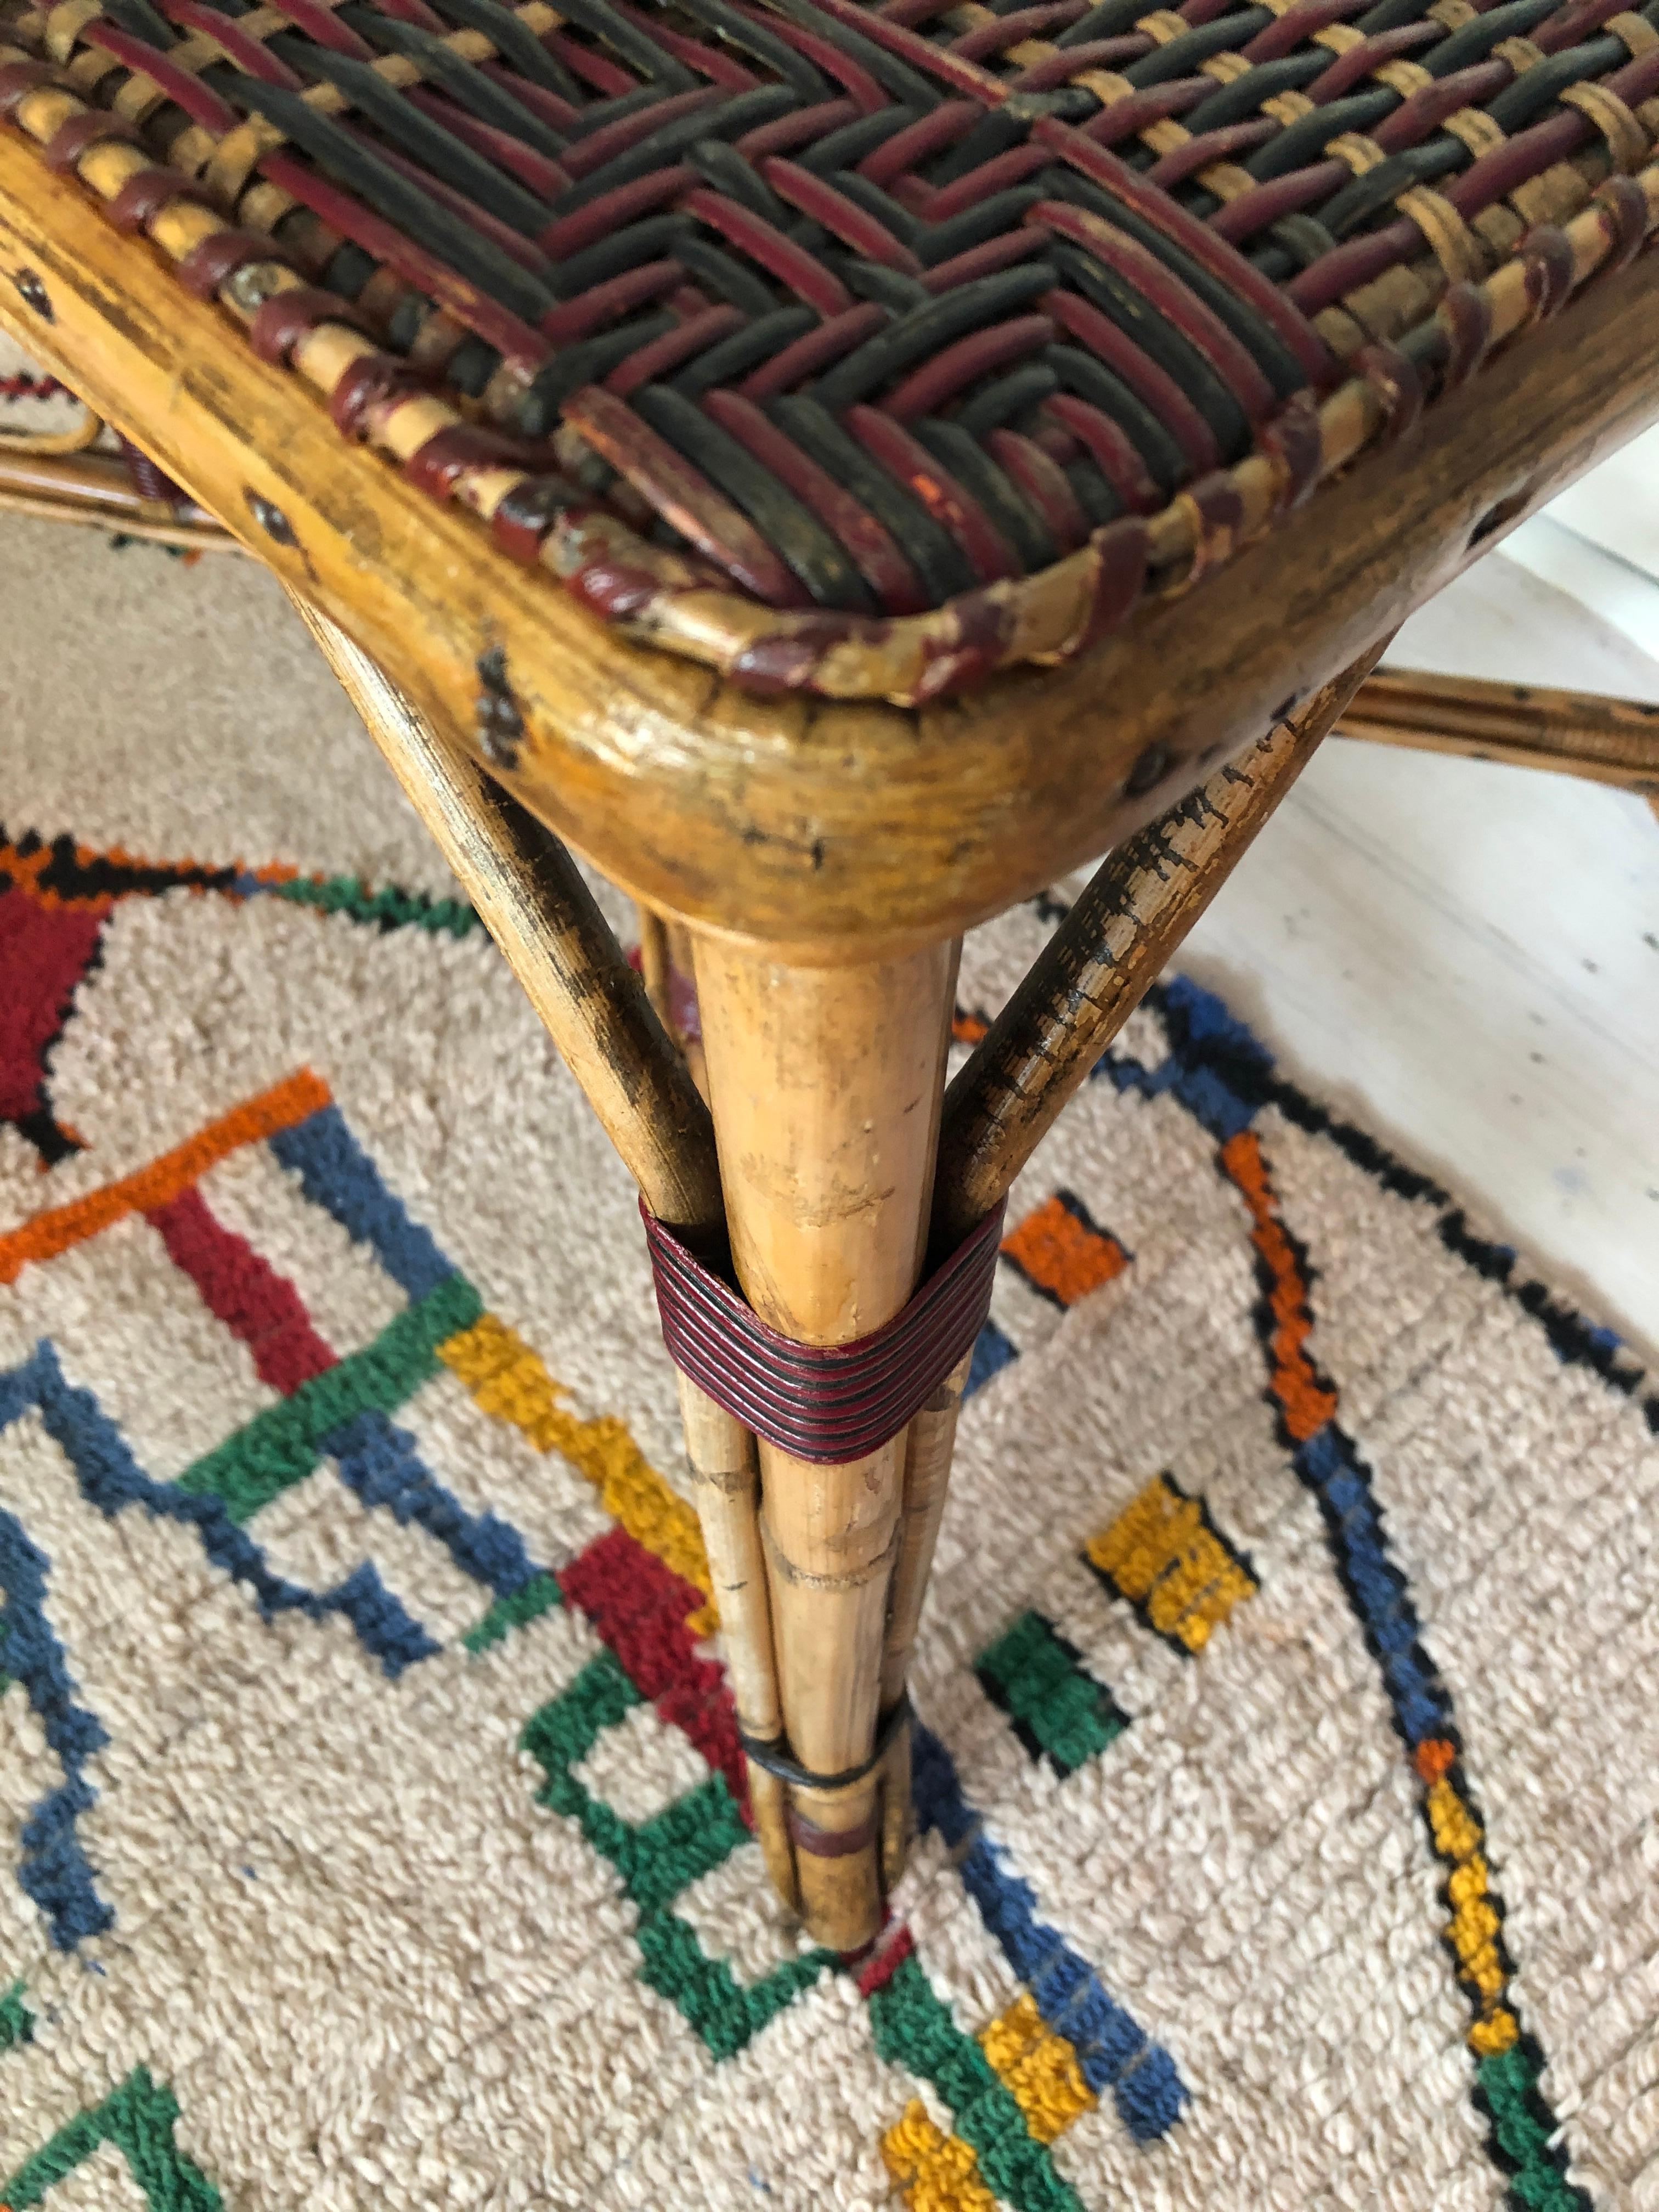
(370, 1821)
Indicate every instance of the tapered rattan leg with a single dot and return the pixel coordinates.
(926, 1477)
(726, 1485)
(541, 916)
(1099, 965)
(825, 1087)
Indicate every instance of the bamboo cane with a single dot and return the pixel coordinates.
(594, 1007)
(1089, 980)
(1613, 741)
(926, 1478)
(653, 964)
(544, 917)
(1099, 965)
(95, 488)
(726, 1486)
(825, 1086)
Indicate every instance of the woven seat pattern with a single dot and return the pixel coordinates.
(863, 349)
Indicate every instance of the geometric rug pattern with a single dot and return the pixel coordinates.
(372, 1821)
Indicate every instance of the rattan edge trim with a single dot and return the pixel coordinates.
(1043, 619)
(827, 830)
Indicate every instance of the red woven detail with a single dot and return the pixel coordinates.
(1269, 203)
(718, 68)
(937, 490)
(1043, 482)
(684, 495)
(1292, 440)
(786, 132)
(855, 225)
(1167, 298)
(927, 135)
(1184, 230)
(1120, 548)
(880, 562)
(1355, 264)
(182, 86)
(249, 54)
(785, 660)
(142, 197)
(829, 1843)
(811, 355)
(1297, 23)
(892, 1948)
(1212, 146)
(1622, 206)
(19, 79)
(1546, 264)
(216, 259)
(961, 76)
(148, 480)
(82, 132)
(373, 381)
(621, 137)
(1111, 448)
(319, 20)
(438, 466)
(970, 358)
(1425, 110)
(663, 355)
(1217, 514)
(1397, 385)
(1464, 316)
(343, 213)
(797, 271)
(968, 651)
(288, 317)
(828, 1403)
(527, 513)
(545, 178)
(1124, 118)
(1153, 385)
(1346, 71)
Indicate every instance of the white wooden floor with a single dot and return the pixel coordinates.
(1468, 954)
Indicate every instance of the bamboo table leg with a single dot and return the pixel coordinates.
(825, 1087)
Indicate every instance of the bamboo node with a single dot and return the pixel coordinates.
(772, 1754)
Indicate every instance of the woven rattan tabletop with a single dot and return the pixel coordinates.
(876, 354)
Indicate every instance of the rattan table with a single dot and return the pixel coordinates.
(840, 467)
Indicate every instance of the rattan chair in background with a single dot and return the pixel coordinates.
(842, 467)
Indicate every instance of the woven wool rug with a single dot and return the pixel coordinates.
(371, 1819)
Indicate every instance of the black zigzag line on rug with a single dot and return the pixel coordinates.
(1248, 1072)
(1523, 2132)
(1576, 1340)
(71, 875)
